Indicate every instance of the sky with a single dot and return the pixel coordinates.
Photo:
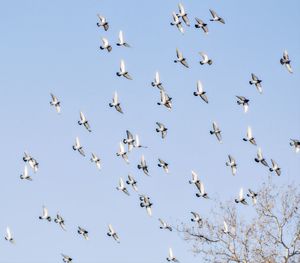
(53, 46)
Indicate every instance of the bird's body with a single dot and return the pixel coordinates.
(122, 187)
(122, 153)
(95, 159)
(164, 225)
(205, 59)
(129, 140)
(249, 136)
(252, 195)
(45, 215)
(162, 129)
(112, 233)
(165, 100)
(285, 60)
(202, 25)
(180, 59)
(200, 92)
(83, 232)
(216, 131)
(83, 121)
(257, 82)
(275, 168)
(215, 17)
(143, 165)
(66, 258)
(201, 190)
(232, 164)
(55, 103)
(59, 220)
(163, 164)
(146, 203)
(77, 147)
(102, 22)
(123, 71)
(31, 161)
(105, 45)
(196, 218)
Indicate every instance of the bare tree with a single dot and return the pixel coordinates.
(270, 232)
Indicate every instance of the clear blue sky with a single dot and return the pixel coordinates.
(53, 46)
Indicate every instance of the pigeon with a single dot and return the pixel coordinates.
(105, 45)
(55, 102)
(196, 218)
(249, 137)
(131, 181)
(31, 161)
(205, 59)
(157, 83)
(111, 233)
(164, 225)
(143, 165)
(183, 14)
(102, 22)
(201, 190)
(244, 102)
(216, 131)
(123, 71)
(260, 158)
(165, 100)
(164, 165)
(176, 22)
(83, 121)
(122, 42)
(83, 232)
(241, 198)
(145, 202)
(137, 143)
(115, 103)
(285, 60)
(256, 81)
(215, 17)
(122, 153)
(66, 258)
(9, 236)
(180, 59)
(232, 164)
(129, 140)
(295, 144)
(171, 257)
(78, 147)
(122, 187)
(162, 129)
(275, 168)
(194, 178)
(45, 215)
(200, 92)
(95, 159)
(59, 220)
(202, 25)
(253, 195)
(25, 174)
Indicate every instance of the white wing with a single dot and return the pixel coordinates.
(194, 176)
(241, 195)
(157, 78)
(77, 142)
(8, 232)
(171, 253)
(121, 37)
(115, 98)
(181, 9)
(204, 56)
(121, 183)
(82, 117)
(25, 171)
(45, 212)
(111, 230)
(249, 133)
(199, 86)
(202, 190)
(149, 211)
(122, 150)
(105, 42)
(122, 66)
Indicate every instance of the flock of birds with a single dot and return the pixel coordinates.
(179, 20)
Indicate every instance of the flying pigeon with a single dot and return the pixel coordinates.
(131, 181)
(122, 42)
(180, 59)
(78, 147)
(216, 131)
(164, 165)
(257, 82)
(145, 202)
(241, 198)
(66, 258)
(162, 129)
(25, 174)
(249, 137)
(295, 144)
(157, 83)
(244, 102)
(129, 140)
(95, 159)
(143, 165)
(111, 233)
(102, 22)
(200, 187)
(202, 25)
(45, 215)
(196, 218)
(122, 187)
(205, 59)
(285, 60)
(275, 168)
(83, 232)
(123, 71)
(83, 121)
(55, 102)
(232, 164)
(252, 195)
(59, 220)
(115, 103)
(176, 22)
(171, 257)
(9, 236)
(200, 92)
(260, 158)
(122, 153)
(165, 100)
(215, 17)
(183, 14)
(105, 45)
(31, 161)
(164, 225)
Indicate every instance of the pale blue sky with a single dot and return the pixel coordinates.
(53, 46)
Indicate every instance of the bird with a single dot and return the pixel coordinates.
(129, 140)
(45, 215)
(83, 232)
(260, 158)
(31, 161)
(296, 144)
(201, 24)
(59, 220)
(143, 165)
(232, 164)
(183, 14)
(115, 103)
(137, 143)
(244, 102)
(102, 22)
(275, 168)
(105, 45)
(78, 147)
(200, 187)
(215, 17)
(122, 153)
(66, 258)
(157, 83)
(164, 225)
(9, 236)
(200, 92)
(257, 82)
(25, 175)
(131, 181)
(122, 187)
(95, 159)
(241, 198)
(196, 218)
(205, 59)
(249, 136)
(252, 195)
(176, 22)
(180, 58)
(163, 164)
(145, 202)
(112, 233)
(216, 131)
(171, 256)
(162, 129)
(194, 178)
(165, 100)
(285, 60)
(83, 121)
(122, 42)
(55, 102)
(123, 71)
